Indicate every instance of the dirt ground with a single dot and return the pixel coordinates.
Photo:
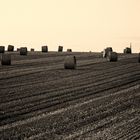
(99, 100)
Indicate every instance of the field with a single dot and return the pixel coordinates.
(39, 99)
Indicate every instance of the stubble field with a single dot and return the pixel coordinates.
(39, 99)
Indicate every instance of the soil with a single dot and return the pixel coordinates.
(100, 100)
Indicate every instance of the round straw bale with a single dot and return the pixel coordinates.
(10, 48)
(112, 56)
(69, 50)
(23, 51)
(32, 49)
(2, 49)
(124, 51)
(106, 51)
(70, 62)
(6, 59)
(18, 49)
(127, 50)
(60, 48)
(109, 49)
(44, 48)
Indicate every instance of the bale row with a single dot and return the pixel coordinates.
(44, 49)
(69, 63)
(127, 50)
(6, 58)
(60, 49)
(32, 49)
(10, 48)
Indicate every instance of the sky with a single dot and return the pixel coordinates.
(82, 25)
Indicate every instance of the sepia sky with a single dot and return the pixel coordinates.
(82, 25)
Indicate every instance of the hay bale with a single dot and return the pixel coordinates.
(6, 59)
(109, 49)
(127, 50)
(2, 49)
(60, 48)
(10, 48)
(70, 62)
(23, 51)
(69, 50)
(32, 50)
(112, 56)
(106, 51)
(18, 49)
(44, 48)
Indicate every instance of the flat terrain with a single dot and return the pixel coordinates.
(39, 99)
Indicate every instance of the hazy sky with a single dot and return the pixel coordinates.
(82, 25)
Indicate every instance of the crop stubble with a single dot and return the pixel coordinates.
(37, 84)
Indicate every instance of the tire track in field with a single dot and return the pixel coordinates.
(136, 78)
(81, 82)
(79, 78)
(71, 75)
(60, 99)
(130, 131)
(93, 118)
(105, 131)
(21, 123)
(108, 77)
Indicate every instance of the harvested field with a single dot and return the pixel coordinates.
(39, 99)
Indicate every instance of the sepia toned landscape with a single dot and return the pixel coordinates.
(40, 99)
(70, 70)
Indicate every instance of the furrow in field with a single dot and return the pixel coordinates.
(93, 119)
(103, 98)
(58, 124)
(38, 64)
(101, 75)
(98, 80)
(89, 78)
(106, 131)
(33, 105)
